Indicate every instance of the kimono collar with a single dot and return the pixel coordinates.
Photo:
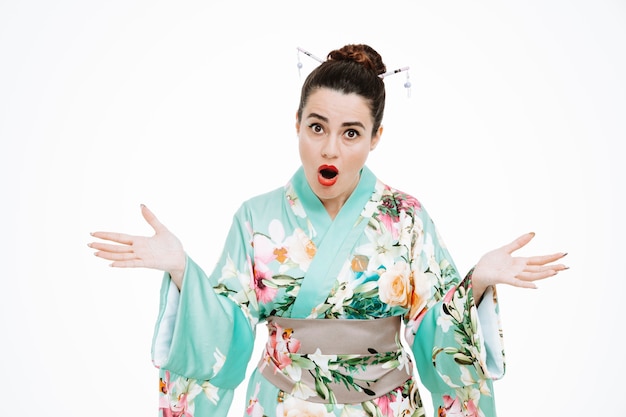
(334, 240)
(353, 206)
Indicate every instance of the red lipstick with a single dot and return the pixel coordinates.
(327, 175)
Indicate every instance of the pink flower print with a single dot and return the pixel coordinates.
(451, 407)
(280, 345)
(408, 201)
(173, 402)
(255, 409)
(164, 398)
(263, 249)
(181, 409)
(263, 293)
(384, 405)
(456, 408)
(448, 297)
(268, 248)
(472, 410)
(388, 222)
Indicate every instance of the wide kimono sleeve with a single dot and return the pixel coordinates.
(204, 335)
(457, 346)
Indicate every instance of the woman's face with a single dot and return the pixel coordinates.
(335, 138)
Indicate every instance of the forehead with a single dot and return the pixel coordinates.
(338, 107)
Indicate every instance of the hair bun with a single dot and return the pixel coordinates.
(361, 54)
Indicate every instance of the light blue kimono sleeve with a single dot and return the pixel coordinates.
(206, 331)
(457, 347)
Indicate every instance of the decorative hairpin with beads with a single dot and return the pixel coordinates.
(407, 83)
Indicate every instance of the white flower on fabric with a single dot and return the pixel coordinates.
(220, 359)
(229, 270)
(448, 381)
(294, 372)
(401, 406)
(300, 391)
(251, 318)
(445, 322)
(295, 202)
(370, 208)
(380, 250)
(418, 230)
(468, 379)
(405, 230)
(182, 393)
(434, 266)
(348, 410)
(470, 393)
(276, 231)
(404, 361)
(466, 376)
(337, 300)
(295, 407)
(301, 249)
(255, 409)
(211, 392)
(424, 283)
(322, 360)
(428, 255)
(267, 248)
(483, 387)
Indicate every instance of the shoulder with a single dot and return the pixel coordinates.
(267, 202)
(402, 200)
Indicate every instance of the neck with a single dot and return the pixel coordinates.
(333, 206)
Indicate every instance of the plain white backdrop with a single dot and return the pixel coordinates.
(515, 123)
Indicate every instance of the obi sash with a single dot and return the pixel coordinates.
(335, 361)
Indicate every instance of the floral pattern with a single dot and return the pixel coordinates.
(399, 267)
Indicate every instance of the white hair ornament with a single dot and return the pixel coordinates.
(407, 83)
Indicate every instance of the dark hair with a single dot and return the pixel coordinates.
(350, 69)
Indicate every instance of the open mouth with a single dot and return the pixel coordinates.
(327, 175)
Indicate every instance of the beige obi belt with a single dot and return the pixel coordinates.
(335, 361)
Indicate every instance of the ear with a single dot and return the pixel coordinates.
(376, 138)
(297, 123)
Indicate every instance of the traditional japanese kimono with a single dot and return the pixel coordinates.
(350, 304)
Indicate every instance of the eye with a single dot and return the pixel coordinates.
(316, 128)
(352, 134)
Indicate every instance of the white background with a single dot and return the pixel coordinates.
(515, 124)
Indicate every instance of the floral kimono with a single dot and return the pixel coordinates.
(378, 268)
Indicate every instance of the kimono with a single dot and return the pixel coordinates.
(286, 259)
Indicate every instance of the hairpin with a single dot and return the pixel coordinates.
(388, 73)
(407, 83)
(307, 53)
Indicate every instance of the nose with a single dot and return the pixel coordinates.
(330, 148)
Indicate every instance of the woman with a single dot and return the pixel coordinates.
(333, 262)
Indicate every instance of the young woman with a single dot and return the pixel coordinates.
(340, 267)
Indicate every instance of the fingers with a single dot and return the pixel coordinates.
(545, 259)
(135, 263)
(114, 237)
(113, 256)
(110, 248)
(530, 276)
(543, 268)
(523, 284)
(152, 219)
(533, 273)
(520, 242)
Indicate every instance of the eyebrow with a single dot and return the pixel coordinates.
(325, 119)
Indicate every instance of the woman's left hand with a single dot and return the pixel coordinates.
(499, 266)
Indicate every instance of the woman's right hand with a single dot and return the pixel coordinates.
(162, 251)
